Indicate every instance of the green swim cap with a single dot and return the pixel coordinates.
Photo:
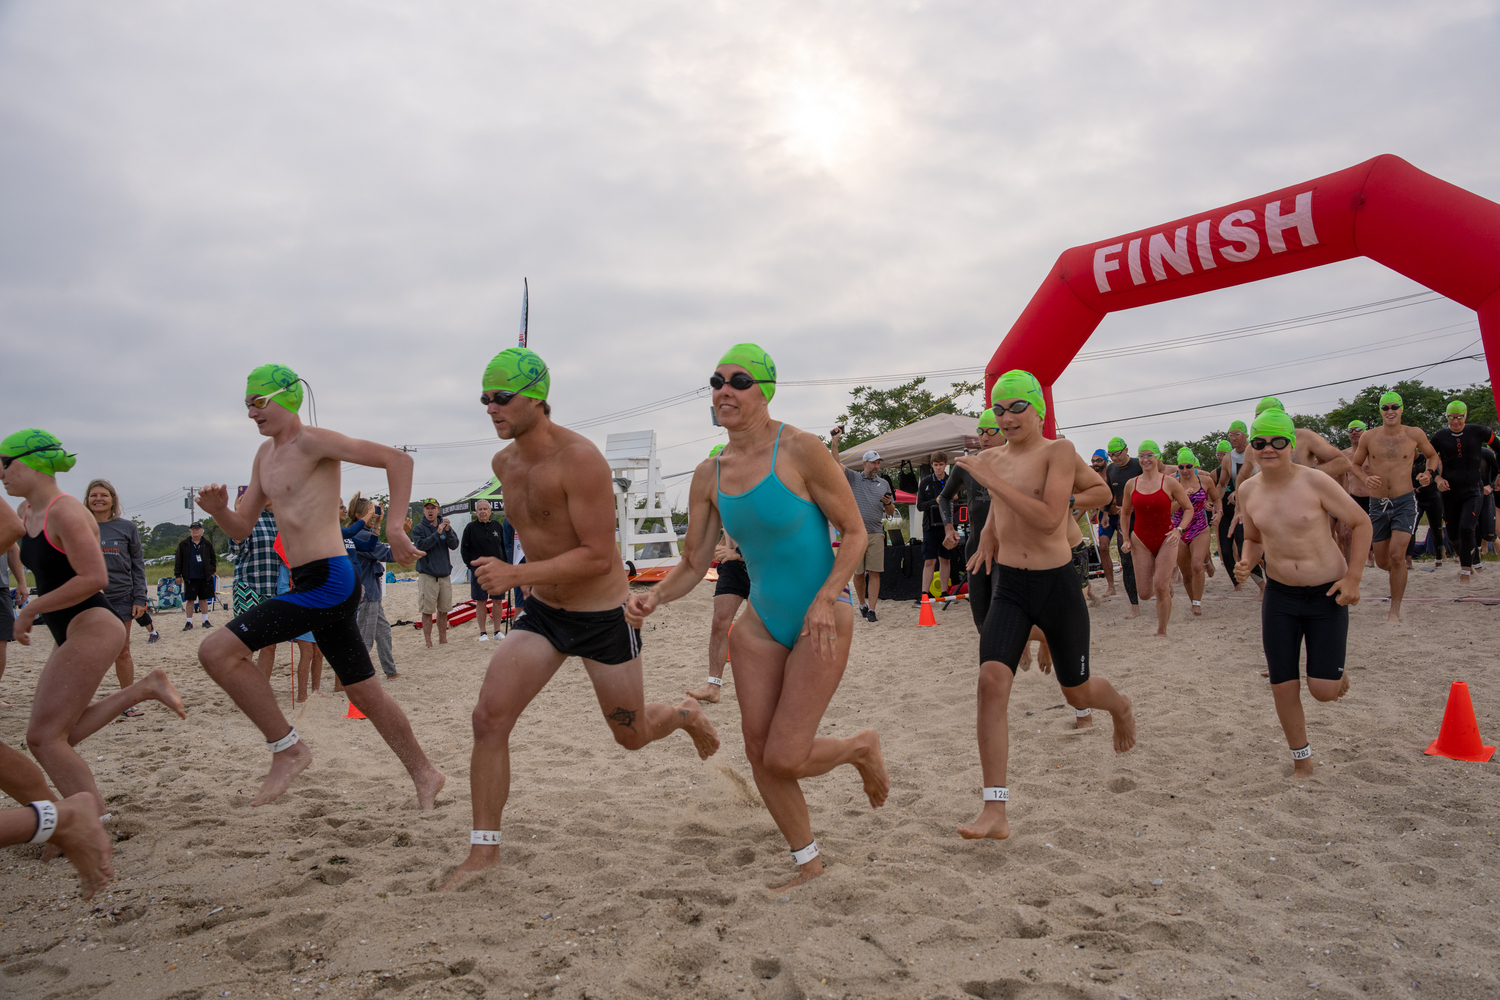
(1268, 403)
(268, 379)
(1117, 444)
(1392, 397)
(1457, 408)
(1018, 384)
(518, 370)
(38, 449)
(1358, 425)
(1274, 423)
(1151, 446)
(988, 419)
(714, 451)
(754, 359)
(1238, 427)
(1185, 456)
(1224, 446)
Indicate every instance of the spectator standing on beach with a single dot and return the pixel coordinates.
(483, 537)
(195, 567)
(256, 567)
(434, 589)
(370, 555)
(872, 494)
(935, 544)
(125, 559)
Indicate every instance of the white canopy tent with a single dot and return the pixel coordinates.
(916, 441)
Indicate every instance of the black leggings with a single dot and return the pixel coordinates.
(1051, 600)
(1430, 503)
(1461, 511)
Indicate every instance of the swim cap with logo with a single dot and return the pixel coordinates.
(46, 453)
(1358, 425)
(1457, 408)
(1185, 456)
(988, 419)
(513, 368)
(1274, 423)
(1117, 444)
(1149, 445)
(1238, 427)
(269, 379)
(1018, 384)
(1224, 446)
(1392, 397)
(714, 451)
(1268, 403)
(754, 359)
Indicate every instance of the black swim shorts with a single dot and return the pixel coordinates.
(1288, 615)
(324, 600)
(734, 578)
(601, 636)
(1050, 599)
(197, 590)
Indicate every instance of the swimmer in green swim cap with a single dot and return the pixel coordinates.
(516, 371)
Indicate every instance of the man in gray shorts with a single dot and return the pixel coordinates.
(873, 494)
(1391, 449)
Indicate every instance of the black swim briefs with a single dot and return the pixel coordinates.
(601, 636)
(324, 600)
(734, 578)
(1288, 615)
(1050, 599)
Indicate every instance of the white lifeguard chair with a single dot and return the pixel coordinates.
(636, 468)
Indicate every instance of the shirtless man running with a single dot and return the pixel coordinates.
(1309, 583)
(1034, 585)
(1391, 449)
(559, 496)
(298, 469)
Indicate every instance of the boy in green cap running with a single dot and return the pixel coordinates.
(1387, 455)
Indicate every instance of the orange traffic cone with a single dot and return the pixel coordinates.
(726, 648)
(354, 713)
(1459, 737)
(927, 620)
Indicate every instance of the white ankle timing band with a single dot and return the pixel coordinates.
(288, 740)
(1083, 712)
(716, 680)
(487, 837)
(1302, 754)
(807, 853)
(46, 821)
(997, 793)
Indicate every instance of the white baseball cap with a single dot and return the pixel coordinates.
(871, 456)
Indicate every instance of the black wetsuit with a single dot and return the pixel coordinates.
(49, 564)
(1117, 477)
(981, 585)
(1487, 512)
(1230, 541)
(1463, 469)
(1429, 502)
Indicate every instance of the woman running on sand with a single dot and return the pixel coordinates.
(1202, 492)
(1152, 497)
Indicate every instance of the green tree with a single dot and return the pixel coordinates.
(873, 412)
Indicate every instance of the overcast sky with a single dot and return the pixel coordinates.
(357, 189)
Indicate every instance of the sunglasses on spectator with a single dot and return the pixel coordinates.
(1019, 406)
(1391, 406)
(501, 397)
(5, 460)
(261, 402)
(739, 380)
(1278, 442)
(989, 430)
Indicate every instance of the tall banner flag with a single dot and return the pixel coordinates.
(525, 295)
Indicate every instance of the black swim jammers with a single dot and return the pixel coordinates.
(601, 636)
(324, 600)
(734, 579)
(1050, 599)
(1288, 615)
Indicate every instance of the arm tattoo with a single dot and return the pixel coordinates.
(623, 717)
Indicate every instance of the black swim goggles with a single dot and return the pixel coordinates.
(739, 380)
(500, 397)
(5, 460)
(1278, 442)
(1019, 406)
(1388, 407)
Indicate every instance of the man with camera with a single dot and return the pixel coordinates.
(873, 494)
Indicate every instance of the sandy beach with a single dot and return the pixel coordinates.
(1193, 866)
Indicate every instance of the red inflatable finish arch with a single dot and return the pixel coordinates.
(1385, 209)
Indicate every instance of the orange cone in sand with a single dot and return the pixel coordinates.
(927, 620)
(1459, 737)
(354, 713)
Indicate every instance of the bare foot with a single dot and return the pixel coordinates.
(805, 874)
(696, 724)
(1343, 687)
(1135, 612)
(389, 677)
(1109, 591)
(1125, 726)
(428, 785)
(870, 763)
(1161, 633)
(1394, 615)
(285, 766)
(1197, 608)
(991, 824)
(708, 693)
(156, 685)
(1083, 721)
(482, 857)
(429, 643)
(1302, 768)
(81, 837)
